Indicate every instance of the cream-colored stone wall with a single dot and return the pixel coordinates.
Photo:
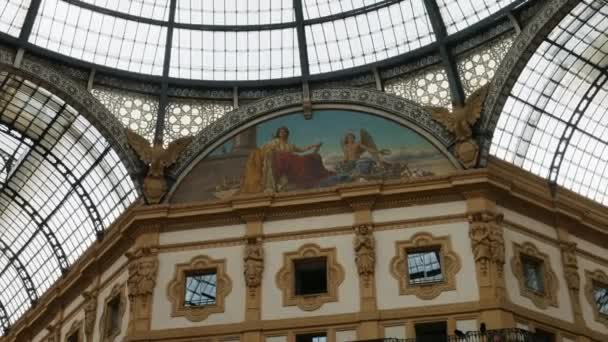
(235, 300)
(395, 331)
(564, 309)
(348, 292)
(586, 264)
(388, 287)
(67, 325)
(202, 234)
(419, 211)
(528, 223)
(308, 223)
(115, 267)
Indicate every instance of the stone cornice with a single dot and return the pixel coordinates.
(513, 188)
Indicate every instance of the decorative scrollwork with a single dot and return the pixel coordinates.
(365, 252)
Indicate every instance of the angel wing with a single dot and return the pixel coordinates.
(474, 104)
(141, 146)
(368, 141)
(443, 116)
(170, 155)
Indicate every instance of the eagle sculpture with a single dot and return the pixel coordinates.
(462, 118)
(157, 158)
(460, 122)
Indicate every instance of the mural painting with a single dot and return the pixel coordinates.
(334, 147)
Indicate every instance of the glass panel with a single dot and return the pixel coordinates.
(600, 293)
(428, 87)
(200, 289)
(151, 9)
(243, 55)
(369, 37)
(533, 276)
(12, 15)
(65, 180)
(322, 8)
(424, 267)
(189, 116)
(460, 14)
(562, 95)
(99, 38)
(234, 12)
(135, 111)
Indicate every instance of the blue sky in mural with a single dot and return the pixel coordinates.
(329, 126)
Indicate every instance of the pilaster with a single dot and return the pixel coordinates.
(253, 263)
(570, 265)
(487, 242)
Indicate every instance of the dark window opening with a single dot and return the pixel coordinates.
(533, 274)
(431, 332)
(600, 294)
(424, 266)
(543, 336)
(311, 276)
(114, 319)
(73, 337)
(200, 288)
(317, 337)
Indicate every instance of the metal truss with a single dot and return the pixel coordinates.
(579, 111)
(5, 322)
(22, 272)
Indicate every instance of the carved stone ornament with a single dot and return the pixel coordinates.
(176, 288)
(365, 252)
(487, 240)
(143, 268)
(449, 261)
(105, 324)
(76, 328)
(54, 333)
(90, 313)
(460, 122)
(157, 158)
(593, 279)
(286, 277)
(570, 262)
(550, 281)
(253, 264)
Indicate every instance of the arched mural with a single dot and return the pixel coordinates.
(290, 152)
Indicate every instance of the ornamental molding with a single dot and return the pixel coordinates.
(253, 260)
(524, 46)
(292, 102)
(285, 278)
(549, 278)
(591, 279)
(487, 241)
(570, 262)
(449, 261)
(118, 291)
(365, 252)
(90, 313)
(177, 286)
(76, 95)
(76, 328)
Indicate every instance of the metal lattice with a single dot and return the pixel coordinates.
(189, 116)
(428, 87)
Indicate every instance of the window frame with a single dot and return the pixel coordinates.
(427, 249)
(549, 277)
(591, 279)
(117, 294)
(195, 273)
(295, 274)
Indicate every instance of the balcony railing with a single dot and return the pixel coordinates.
(502, 335)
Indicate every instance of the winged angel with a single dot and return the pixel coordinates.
(460, 122)
(353, 150)
(157, 158)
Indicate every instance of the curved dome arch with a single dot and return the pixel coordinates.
(62, 182)
(406, 111)
(548, 106)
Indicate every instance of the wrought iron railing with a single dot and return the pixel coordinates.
(502, 335)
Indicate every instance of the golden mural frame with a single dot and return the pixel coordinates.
(285, 278)
(77, 327)
(176, 288)
(118, 291)
(549, 277)
(597, 276)
(450, 265)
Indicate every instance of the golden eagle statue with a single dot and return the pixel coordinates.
(460, 122)
(157, 158)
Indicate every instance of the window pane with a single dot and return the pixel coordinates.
(200, 289)
(600, 292)
(533, 274)
(424, 267)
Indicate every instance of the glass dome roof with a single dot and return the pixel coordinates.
(238, 40)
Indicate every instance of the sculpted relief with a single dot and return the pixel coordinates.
(289, 153)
